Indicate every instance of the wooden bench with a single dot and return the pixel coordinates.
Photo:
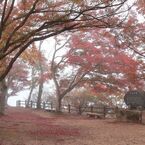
(95, 115)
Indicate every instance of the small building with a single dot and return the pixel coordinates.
(135, 99)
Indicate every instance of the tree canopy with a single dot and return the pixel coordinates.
(26, 21)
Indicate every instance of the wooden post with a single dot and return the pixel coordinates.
(91, 108)
(80, 110)
(104, 111)
(18, 103)
(31, 105)
(140, 116)
(51, 105)
(26, 103)
(44, 105)
(68, 108)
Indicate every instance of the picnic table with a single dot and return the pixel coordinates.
(95, 115)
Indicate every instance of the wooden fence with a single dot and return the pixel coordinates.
(32, 104)
(49, 106)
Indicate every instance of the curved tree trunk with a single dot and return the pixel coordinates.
(39, 95)
(40, 91)
(29, 97)
(62, 86)
(3, 92)
(32, 87)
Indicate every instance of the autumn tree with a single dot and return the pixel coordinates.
(65, 76)
(130, 39)
(17, 79)
(93, 57)
(111, 68)
(36, 20)
(123, 51)
(39, 70)
(26, 21)
(43, 71)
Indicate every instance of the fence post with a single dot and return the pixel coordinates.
(68, 108)
(44, 105)
(104, 111)
(51, 105)
(26, 103)
(18, 103)
(91, 108)
(140, 116)
(80, 110)
(31, 104)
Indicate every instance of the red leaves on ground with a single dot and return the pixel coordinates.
(29, 123)
(55, 131)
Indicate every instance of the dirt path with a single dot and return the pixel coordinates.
(30, 127)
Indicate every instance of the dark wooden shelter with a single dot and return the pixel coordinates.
(135, 99)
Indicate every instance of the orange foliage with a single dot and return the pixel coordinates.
(32, 55)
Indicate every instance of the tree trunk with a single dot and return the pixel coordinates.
(29, 97)
(39, 95)
(33, 81)
(6, 100)
(3, 92)
(58, 104)
(79, 110)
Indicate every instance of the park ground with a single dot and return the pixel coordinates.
(22, 126)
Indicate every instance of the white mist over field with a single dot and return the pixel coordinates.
(23, 95)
